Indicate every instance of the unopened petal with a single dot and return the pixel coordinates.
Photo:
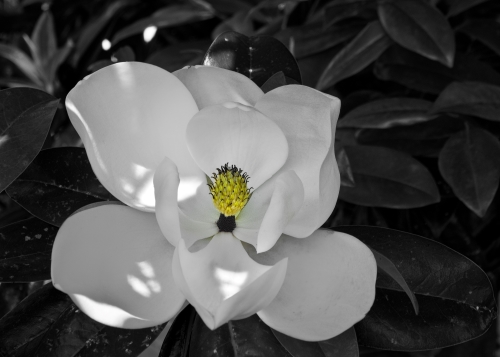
(115, 264)
(239, 135)
(329, 285)
(308, 118)
(213, 85)
(223, 283)
(130, 116)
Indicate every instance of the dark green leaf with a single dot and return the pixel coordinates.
(365, 48)
(277, 80)
(25, 250)
(47, 323)
(345, 345)
(25, 117)
(173, 15)
(22, 61)
(388, 178)
(470, 164)
(419, 27)
(346, 176)
(456, 299)
(99, 65)
(485, 30)
(124, 54)
(336, 11)
(310, 39)
(470, 98)
(56, 184)
(390, 269)
(245, 337)
(424, 139)
(386, 113)
(419, 73)
(177, 56)
(458, 6)
(257, 57)
(176, 343)
(44, 39)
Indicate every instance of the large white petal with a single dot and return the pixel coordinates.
(213, 85)
(329, 285)
(308, 119)
(239, 135)
(115, 264)
(130, 116)
(223, 283)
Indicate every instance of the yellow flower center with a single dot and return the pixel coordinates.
(229, 190)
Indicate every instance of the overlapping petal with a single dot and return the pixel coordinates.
(213, 85)
(308, 119)
(115, 264)
(223, 283)
(329, 285)
(239, 135)
(130, 116)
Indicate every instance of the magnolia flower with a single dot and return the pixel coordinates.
(224, 188)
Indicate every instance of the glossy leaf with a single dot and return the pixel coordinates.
(176, 343)
(470, 98)
(485, 30)
(249, 336)
(366, 47)
(25, 118)
(424, 139)
(419, 73)
(25, 250)
(458, 6)
(470, 164)
(345, 345)
(56, 184)
(173, 15)
(388, 178)
(257, 57)
(47, 323)
(386, 113)
(456, 298)
(179, 55)
(419, 27)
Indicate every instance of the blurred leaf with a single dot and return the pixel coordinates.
(485, 30)
(456, 299)
(94, 67)
(470, 98)
(44, 40)
(344, 345)
(419, 73)
(423, 139)
(386, 113)
(388, 178)
(390, 269)
(257, 57)
(458, 6)
(366, 47)
(336, 11)
(95, 26)
(309, 39)
(22, 61)
(245, 337)
(176, 343)
(173, 15)
(57, 59)
(346, 176)
(312, 66)
(25, 118)
(229, 6)
(25, 250)
(240, 22)
(419, 27)
(470, 164)
(47, 323)
(56, 184)
(124, 54)
(277, 80)
(177, 56)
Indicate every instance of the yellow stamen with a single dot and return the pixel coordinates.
(229, 190)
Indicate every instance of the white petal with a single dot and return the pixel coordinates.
(223, 283)
(130, 116)
(329, 285)
(213, 85)
(239, 135)
(307, 118)
(115, 264)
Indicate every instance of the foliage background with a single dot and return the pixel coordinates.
(417, 141)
